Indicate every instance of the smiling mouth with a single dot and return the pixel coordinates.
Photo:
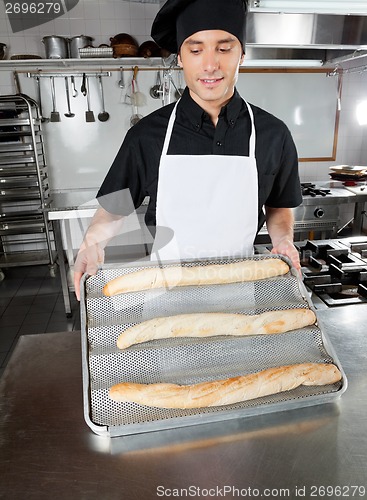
(210, 81)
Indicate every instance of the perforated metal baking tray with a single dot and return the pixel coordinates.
(191, 360)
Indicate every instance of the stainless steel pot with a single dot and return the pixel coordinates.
(78, 42)
(56, 47)
(2, 50)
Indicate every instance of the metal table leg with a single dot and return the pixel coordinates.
(62, 266)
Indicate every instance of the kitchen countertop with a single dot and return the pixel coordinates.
(83, 203)
(76, 203)
(72, 203)
(48, 451)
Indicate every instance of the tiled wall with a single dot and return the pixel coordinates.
(100, 19)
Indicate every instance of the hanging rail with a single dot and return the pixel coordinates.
(63, 74)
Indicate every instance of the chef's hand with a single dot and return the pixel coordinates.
(89, 260)
(286, 247)
(103, 227)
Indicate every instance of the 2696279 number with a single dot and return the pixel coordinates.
(337, 491)
(40, 8)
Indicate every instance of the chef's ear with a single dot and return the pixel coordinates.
(179, 61)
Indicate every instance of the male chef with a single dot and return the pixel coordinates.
(214, 167)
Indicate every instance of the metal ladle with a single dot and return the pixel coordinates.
(103, 116)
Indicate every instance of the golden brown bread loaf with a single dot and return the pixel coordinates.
(211, 274)
(211, 324)
(227, 391)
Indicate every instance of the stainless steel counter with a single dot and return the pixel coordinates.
(78, 205)
(338, 195)
(48, 451)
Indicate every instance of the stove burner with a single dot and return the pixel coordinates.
(360, 248)
(309, 189)
(334, 273)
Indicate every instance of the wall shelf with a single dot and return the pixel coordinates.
(10, 64)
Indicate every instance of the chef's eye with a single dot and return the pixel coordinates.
(224, 49)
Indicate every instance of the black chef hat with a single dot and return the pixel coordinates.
(179, 19)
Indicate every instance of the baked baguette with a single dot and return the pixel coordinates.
(168, 277)
(227, 391)
(211, 324)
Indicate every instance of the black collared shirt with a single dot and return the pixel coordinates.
(137, 162)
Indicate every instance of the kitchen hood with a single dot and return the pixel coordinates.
(305, 36)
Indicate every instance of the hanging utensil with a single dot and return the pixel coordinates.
(136, 117)
(55, 115)
(42, 118)
(103, 116)
(178, 92)
(89, 115)
(156, 90)
(69, 114)
(16, 82)
(179, 89)
(75, 92)
(138, 98)
(83, 88)
(121, 82)
(166, 87)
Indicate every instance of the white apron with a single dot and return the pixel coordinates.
(210, 202)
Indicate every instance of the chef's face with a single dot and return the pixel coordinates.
(210, 61)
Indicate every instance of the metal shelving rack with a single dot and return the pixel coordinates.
(25, 233)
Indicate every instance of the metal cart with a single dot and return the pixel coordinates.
(25, 233)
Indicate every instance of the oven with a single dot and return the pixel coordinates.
(318, 214)
(317, 217)
(321, 220)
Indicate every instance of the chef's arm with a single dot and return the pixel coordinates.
(103, 227)
(279, 223)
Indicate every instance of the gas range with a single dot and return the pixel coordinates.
(310, 189)
(333, 271)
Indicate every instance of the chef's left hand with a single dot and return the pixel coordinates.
(287, 248)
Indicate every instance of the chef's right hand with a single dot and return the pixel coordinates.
(89, 260)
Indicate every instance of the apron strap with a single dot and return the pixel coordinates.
(252, 142)
(169, 131)
(172, 119)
